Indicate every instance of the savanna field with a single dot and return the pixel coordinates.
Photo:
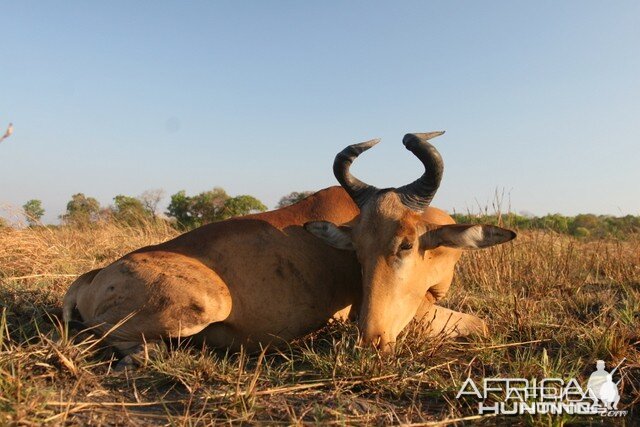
(554, 304)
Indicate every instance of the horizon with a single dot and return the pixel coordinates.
(15, 217)
(539, 100)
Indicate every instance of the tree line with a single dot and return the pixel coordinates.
(186, 212)
(582, 225)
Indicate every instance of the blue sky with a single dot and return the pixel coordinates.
(541, 99)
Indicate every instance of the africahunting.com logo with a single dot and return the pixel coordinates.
(518, 396)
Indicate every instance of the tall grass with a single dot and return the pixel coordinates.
(554, 305)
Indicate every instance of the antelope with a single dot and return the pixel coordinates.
(382, 256)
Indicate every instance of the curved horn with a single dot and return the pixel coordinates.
(358, 190)
(420, 192)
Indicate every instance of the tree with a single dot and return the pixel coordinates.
(586, 224)
(203, 208)
(293, 197)
(33, 211)
(210, 206)
(180, 209)
(581, 232)
(81, 210)
(130, 210)
(151, 199)
(555, 222)
(241, 205)
(207, 206)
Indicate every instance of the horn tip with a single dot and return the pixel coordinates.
(368, 144)
(418, 137)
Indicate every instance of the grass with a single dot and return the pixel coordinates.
(554, 305)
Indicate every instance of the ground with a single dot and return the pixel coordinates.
(554, 305)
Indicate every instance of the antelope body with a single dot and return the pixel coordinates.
(383, 256)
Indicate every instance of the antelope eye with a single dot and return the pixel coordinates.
(406, 246)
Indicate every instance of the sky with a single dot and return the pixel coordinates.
(540, 100)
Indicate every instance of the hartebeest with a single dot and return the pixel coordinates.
(270, 277)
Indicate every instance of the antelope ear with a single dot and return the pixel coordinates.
(464, 236)
(338, 237)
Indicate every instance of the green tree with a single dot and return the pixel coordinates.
(293, 197)
(180, 209)
(555, 222)
(589, 222)
(581, 232)
(629, 224)
(194, 211)
(130, 210)
(241, 205)
(33, 211)
(81, 210)
(210, 206)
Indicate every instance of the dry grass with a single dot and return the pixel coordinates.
(554, 306)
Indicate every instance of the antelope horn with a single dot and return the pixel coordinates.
(420, 192)
(359, 191)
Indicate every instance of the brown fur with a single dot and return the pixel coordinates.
(253, 280)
